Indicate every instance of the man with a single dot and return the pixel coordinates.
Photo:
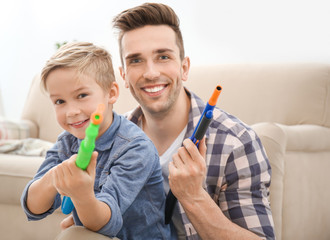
(222, 187)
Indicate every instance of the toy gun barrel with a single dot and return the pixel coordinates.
(197, 135)
(206, 117)
(88, 144)
(85, 151)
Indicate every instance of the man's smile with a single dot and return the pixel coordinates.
(155, 90)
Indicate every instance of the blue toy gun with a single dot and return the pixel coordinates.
(86, 150)
(197, 135)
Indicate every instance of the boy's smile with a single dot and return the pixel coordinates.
(75, 97)
(80, 124)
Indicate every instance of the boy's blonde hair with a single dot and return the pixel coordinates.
(86, 58)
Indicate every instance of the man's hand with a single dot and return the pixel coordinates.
(187, 171)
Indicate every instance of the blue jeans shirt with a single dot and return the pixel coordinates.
(128, 179)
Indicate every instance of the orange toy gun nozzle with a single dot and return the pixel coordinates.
(215, 95)
(97, 116)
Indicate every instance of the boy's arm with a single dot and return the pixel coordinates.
(41, 194)
(78, 184)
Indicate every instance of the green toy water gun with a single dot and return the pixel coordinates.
(85, 151)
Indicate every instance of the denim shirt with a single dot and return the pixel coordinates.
(128, 179)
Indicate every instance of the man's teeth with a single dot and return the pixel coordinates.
(154, 89)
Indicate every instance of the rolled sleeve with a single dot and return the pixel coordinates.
(34, 217)
(115, 223)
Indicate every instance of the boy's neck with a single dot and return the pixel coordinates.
(163, 130)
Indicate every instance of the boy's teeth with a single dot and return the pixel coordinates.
(78, 123)
(154, 89)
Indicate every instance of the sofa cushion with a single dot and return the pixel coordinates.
(283, 93)
(15, 172)
(39, 110)
(10, 129)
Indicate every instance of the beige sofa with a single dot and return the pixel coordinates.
(289, 107)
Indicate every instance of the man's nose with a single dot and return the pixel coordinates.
(151, 71)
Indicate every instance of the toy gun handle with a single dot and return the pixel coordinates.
(86, 149)
(197, 135)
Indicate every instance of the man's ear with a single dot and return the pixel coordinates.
(113, 93)
(123, 76)
(185, 68)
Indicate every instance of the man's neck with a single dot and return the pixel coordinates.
(164, 129)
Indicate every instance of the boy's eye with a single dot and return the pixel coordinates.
(58, 102)
(82, 95)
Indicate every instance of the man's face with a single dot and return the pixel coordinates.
(75, 98)
(152, 69)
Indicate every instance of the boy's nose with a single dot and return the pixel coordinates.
(72, 111)
(151, 71)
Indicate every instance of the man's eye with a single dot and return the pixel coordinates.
(82, 95)
(135, 60)
(164, 57)
(58, 102)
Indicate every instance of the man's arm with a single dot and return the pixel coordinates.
(186, 175)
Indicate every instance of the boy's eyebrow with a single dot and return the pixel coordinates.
(83, 88)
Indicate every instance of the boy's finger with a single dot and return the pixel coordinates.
(92, 165)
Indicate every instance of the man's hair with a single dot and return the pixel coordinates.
(86, 58)
(148, 14)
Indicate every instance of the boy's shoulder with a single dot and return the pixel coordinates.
(131, 129)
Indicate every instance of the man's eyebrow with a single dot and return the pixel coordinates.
(133, 55)
(162, 50)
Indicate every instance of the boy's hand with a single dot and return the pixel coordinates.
(67, 222)
(187, 171)
(71, 181)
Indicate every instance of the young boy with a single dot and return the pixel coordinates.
(121, 192)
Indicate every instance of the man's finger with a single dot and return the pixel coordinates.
(192, 149)
(202, 147)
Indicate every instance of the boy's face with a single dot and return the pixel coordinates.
(153, 69)
(75, 98)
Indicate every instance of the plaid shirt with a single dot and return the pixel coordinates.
(238, 171)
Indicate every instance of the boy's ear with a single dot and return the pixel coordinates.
(113, 93)
(123, 76)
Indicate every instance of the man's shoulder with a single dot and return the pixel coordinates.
(231, 126)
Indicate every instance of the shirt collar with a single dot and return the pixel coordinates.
(105, 141)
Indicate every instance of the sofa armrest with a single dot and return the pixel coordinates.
(21, 129)
(274, 141)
